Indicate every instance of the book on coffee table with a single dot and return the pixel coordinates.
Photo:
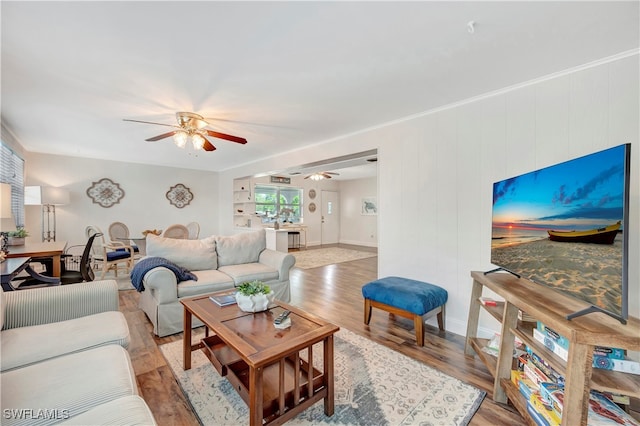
(224, 299)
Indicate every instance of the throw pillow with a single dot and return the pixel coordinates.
(194, 255)
(241, 248)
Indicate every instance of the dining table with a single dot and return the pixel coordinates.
(141, 243)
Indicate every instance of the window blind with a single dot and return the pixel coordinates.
(12, 172)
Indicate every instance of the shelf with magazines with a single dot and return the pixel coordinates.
(584, 334)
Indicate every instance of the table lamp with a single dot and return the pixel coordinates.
(47, 197)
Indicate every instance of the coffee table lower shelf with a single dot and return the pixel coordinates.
(288, 385)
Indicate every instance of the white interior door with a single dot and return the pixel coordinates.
(330, 221)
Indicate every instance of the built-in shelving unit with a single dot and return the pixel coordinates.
(243, 203)
(583, 334)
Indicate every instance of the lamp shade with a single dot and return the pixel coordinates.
(42, 195)
(5, 201)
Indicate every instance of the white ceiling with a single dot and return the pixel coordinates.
(281, 74)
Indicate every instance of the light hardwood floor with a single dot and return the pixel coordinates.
(334, 293)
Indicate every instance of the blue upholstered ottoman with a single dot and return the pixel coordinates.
(411, 299)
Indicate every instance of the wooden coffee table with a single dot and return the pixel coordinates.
(261, 362)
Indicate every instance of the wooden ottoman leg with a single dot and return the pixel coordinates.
(441, 318)
(367, 311)
(418, 325)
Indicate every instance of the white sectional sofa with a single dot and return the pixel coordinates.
(219, 263)
(63, 358)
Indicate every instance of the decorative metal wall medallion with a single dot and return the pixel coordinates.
(312, 193)
(312, 207)
(105, 192)
(179, 195)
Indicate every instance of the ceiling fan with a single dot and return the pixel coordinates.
(191, 126)
(321, 175)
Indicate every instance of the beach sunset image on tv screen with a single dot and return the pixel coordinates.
(565, 226)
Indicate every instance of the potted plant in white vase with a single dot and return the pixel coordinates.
(254, 296)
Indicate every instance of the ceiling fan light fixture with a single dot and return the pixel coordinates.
(198, 141)
(316, 176)
(180, 138)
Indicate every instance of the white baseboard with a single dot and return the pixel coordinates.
(359, 243)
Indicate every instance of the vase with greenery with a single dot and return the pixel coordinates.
(16, 238)
(254, 296)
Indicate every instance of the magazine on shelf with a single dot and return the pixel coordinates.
(224, 299)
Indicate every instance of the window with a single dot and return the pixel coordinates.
(278, 202)
(12, 172)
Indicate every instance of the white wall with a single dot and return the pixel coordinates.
(436, 171)
(144, 205)
(356, 228)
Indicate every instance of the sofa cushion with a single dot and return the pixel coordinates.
(240, 248)
(194, 255)
(128, 410)
(72, 384)
(208, 282)
(250, 272)
(48, 341)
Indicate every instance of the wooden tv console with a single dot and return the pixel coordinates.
(550, 307)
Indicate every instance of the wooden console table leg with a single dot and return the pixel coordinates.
(474, 317)
(186, 341)
(328, 376)
(577, 378)
(505, 355)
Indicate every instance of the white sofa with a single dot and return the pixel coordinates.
(219, 263)
(63, 358)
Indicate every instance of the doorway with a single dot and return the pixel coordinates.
(330, 219)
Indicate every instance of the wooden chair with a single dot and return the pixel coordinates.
(109, 256)
(176, 231)
(194, 230)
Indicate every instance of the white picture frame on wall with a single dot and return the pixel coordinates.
(369, 206)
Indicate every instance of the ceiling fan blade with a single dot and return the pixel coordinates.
(208, 146)
(231, 138)
(149, 122)
(162, 136)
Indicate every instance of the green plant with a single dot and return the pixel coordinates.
(249, 288)
(19, 233)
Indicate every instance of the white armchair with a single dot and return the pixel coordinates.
(112, 255)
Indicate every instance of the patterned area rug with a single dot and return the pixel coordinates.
(314, 258)
(374, 385)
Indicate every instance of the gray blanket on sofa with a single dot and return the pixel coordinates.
(148, 263)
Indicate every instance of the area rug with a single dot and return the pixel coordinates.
(374, 385)
(314, 258)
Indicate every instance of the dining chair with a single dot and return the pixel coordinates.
(194, 230)
(108, 256)
(176, 231)
(118, 231)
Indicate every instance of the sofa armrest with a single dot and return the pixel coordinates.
(53, 304)
(162, 283)
(283, 262)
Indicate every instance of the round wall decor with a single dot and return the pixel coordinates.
(312, 207)
(105, 192)
(312, 193)
(179, 195)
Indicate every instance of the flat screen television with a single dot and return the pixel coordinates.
(567, 227)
